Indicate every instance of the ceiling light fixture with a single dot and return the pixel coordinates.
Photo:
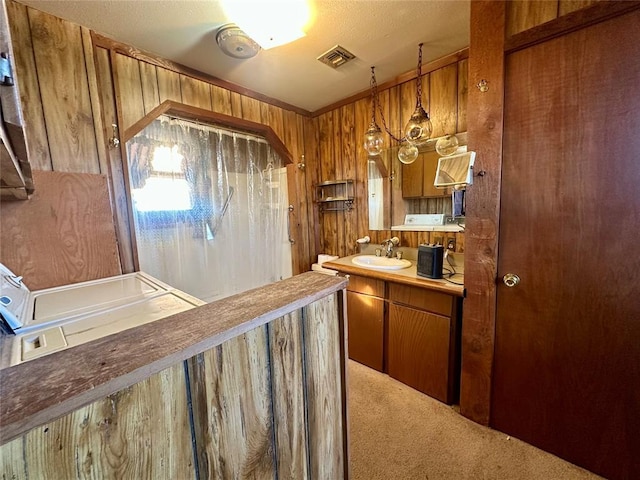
(236, 43)
(270, 24)
(416, 132)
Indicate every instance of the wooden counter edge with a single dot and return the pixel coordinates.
(389, 276)
(44, 389)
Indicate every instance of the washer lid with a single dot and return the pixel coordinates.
(96, 295)
(14, 298)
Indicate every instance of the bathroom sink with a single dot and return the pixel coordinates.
(380, 263)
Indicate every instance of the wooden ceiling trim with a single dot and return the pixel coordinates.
(188, 112)
(124, 49)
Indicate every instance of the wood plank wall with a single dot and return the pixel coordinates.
(69, 215)
(266, 404)
(337, 145)
(73, 91)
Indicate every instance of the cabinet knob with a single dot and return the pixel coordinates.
(511, 280)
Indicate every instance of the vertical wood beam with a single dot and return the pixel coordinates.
(485, 122)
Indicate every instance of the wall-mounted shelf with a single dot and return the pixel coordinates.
(335, 195)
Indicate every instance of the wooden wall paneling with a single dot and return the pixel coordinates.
(37, 140)
(326, 410)
(289, 405)
(443, 90)
(231, 398)
(293, 216)
(149, 82)
(296, 193)
(275, 119)
(463, 94)
(251, 109)
(341, 216)
(195, 92)
(348, 154)
(94, 94)
(116, 169)
(423, 237)
(407, 239)
(312, 177)
(305, 196)
(362, 116)
(128, 88)
(221, 100)
(525, 15)
(264, 113)
(460, 242)
(397, 209)
(236, 105)
(168, 85)
(411, 175)
(64, 89)
(141, 431)
(329, 219)
(485, 119)
(70, 214)
(568, 6)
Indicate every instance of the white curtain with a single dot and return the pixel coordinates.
(210, 208)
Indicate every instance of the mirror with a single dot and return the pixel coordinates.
(387, 206)
(455, 170)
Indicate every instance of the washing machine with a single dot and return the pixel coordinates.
(41, 322)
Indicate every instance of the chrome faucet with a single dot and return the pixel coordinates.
(388, 246)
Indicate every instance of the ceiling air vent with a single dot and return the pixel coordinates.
(336, 56)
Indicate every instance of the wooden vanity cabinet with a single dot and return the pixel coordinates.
(423, 340)
(365, 314)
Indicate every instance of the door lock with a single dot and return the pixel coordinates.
(511, 280)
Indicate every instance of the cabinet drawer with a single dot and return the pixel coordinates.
(368, 286)
(421, 298)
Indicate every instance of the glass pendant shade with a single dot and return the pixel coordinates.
(419, 128)
(407, 153)
(373, 140)
(447, 145)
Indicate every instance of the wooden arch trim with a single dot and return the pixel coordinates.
(188, 112)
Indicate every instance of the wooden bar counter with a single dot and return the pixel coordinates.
(251, 386)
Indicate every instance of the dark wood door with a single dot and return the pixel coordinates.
(567, 359)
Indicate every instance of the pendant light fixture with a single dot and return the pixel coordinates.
(373, 139)
(417, 131)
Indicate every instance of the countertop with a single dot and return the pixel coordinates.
(407, 276)
(46, 388)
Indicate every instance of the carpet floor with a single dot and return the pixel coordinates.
(397, 433)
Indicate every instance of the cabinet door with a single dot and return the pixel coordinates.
(412, 179)
(365, 317)
(418, 351)
(418, 177)
(429, 175)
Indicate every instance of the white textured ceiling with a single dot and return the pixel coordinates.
(381, 33)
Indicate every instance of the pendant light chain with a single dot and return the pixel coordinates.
(419, 78)
(374, 93)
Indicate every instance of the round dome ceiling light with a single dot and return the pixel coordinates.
(235, 43)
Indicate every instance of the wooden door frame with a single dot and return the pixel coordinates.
(487, 51)
(485, 127)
